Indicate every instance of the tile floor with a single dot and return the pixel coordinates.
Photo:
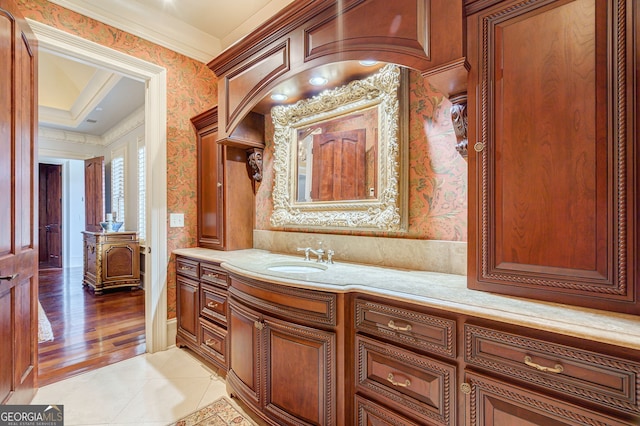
(147, 390)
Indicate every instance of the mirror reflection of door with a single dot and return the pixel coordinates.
(339, 158)
(94, 193)
(50, 216)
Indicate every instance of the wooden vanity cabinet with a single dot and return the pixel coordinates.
(284, 353)
(111, 260)
(225, 190)
(202, 309)
(553, 178)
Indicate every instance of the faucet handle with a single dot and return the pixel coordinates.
(330, 254)
(306, 251)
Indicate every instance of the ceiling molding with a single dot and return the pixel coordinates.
(151, 25)
(133, 121)
(50, 134)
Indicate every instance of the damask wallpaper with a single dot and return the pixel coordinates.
(437, 174)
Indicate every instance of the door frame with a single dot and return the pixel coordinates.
(155, 78)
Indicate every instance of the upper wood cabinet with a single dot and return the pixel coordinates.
(225, 189)
(553, 177)
(426, 35)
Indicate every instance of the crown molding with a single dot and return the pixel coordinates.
(150, 25)
(130, 123)
(50, 134)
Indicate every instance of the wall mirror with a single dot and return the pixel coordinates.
(340, 156)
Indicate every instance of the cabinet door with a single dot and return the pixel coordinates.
(300, 368)
(245, 349)
(491, 402)
(210, 183)
(188, 308)
(120, 262)
(552, 178)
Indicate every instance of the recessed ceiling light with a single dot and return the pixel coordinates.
(318, 81)
(368, 62)
(98, 108)
(279, 97)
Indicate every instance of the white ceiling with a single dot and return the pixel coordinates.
(82, 98)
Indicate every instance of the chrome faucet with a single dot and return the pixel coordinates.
(319, 253)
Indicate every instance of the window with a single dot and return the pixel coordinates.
(117, 184)
(142, 217)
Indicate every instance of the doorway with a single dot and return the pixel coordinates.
(155, 300)
(50, 216)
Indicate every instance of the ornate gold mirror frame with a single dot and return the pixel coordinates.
(385, 90)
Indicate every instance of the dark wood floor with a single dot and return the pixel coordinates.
(89, 331)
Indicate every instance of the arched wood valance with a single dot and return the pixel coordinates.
(425, 35)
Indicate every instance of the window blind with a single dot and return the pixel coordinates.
(117, 185)
(142, 194)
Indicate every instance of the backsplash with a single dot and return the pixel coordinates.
(448, 257)
(437, 173)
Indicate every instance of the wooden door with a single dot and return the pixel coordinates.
(50, 215)
(553, 179)
(18, 210)
(300, 371)
(339, 166)
(94, 193)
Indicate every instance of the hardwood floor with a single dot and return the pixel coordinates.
(89, 331)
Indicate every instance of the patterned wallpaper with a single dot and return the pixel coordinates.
(191, 89)
(437, 174)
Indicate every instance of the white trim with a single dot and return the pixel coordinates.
(58, 135)
(155, 76)
(151, 25)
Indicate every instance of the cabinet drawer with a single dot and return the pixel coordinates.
(490, 401)
(213, 342)
(187, 267)
(213, 274)
(369, 413)
(213, 303)
(296, 304)
(416, 385)
(117, 237)
(415, 329)
(600, 379)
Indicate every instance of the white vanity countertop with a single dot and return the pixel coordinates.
(441, 291)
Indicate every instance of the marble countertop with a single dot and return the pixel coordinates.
(442, 291)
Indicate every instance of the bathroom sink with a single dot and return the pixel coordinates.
(297, 267)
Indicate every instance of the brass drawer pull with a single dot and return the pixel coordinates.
(392, 325)
(186, 268)
(210, 343)
(556, 369)
(212, 305)
(210, 275)
(391, 380)
(9, 277)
